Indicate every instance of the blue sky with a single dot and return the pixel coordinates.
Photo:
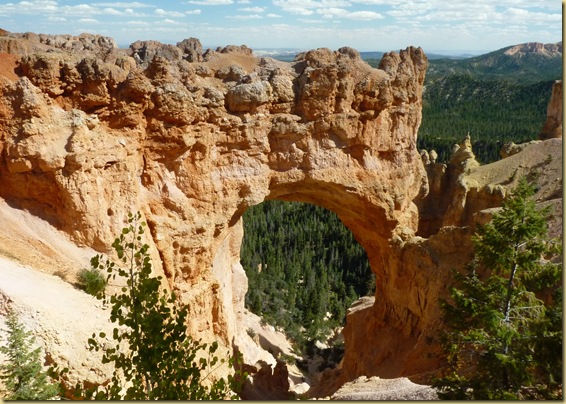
(367, 25)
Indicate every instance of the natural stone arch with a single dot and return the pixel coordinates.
(194, 145)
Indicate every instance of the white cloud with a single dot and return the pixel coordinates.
(300, 11)
(371, 2)
(111, 11)
(137, 23)
(56, 19)
(193, 12)
(343, 13)
(164, 13)
(88, 20)
(245, 17)
(271, 15)
(310, 21)
(364, 15)
(35, 5)
(332, 12)
(79, 10)
(134, 4)
(252, 9)
(479, 16)
(211, 2)
(304, 7)
(515, 15)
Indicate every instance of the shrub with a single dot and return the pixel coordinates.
(92, 281)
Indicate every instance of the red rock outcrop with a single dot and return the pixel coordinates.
(85, 140)
(192, 139)
(553, 126)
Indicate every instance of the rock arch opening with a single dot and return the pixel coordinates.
(304, 270)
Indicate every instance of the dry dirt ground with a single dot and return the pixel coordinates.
(35, 259)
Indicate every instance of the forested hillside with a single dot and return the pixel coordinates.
(305, 268)
(493, 112)
(497, 98)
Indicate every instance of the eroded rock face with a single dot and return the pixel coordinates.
(192, 139)
(553, 126)
(462, 195)
(84, 141)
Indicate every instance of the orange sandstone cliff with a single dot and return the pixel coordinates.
(192, 138)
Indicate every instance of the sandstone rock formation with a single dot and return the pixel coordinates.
(85, 140)
(192, 139)
(553, 125)
(548, 49)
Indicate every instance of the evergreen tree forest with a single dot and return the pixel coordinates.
(496, 98)
(493, 112)
(304, 268)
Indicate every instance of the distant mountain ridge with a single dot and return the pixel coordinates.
(529, 62)
(497, 97)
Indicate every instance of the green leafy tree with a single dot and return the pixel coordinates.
(23, 374)
(505, 319)
(153, 355)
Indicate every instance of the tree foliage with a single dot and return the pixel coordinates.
(504, 339)
(153, 356)
(23, 373)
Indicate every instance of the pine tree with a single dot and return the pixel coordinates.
(506, 305)
(23, 374)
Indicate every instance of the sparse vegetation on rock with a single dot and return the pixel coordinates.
(92, 281)
(153, 355)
